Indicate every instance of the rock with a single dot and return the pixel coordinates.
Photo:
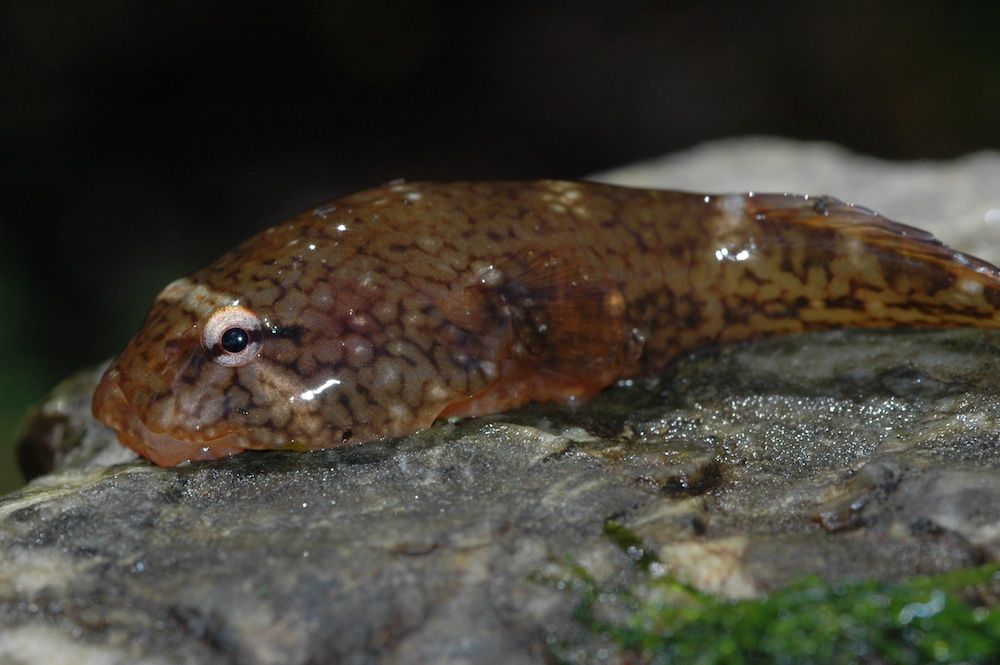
(846, 454)
(60, 433)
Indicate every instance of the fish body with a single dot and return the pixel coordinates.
(374, 315)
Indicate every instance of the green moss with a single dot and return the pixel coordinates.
(947, 618)
(630, 543)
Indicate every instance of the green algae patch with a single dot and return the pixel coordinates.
(948, 618)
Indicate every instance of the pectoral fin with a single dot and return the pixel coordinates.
(564, 329)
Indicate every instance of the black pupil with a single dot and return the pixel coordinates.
(235, 340)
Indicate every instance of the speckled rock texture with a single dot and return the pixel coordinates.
(845, 454)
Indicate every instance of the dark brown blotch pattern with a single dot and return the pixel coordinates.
(391, 307)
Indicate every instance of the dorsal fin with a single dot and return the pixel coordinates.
(868, 226)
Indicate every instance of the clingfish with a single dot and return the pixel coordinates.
(372, 316)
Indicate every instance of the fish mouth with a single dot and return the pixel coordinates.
(111, 407)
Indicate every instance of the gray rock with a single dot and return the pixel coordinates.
(845, 454)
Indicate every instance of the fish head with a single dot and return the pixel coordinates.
(267, 350)
(200, 380)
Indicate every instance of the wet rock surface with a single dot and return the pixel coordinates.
(846, 454)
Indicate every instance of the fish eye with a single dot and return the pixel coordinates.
(235, 340)
(232, 336)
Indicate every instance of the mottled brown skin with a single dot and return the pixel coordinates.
(387, 309)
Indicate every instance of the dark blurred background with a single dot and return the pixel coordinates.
(141, 139)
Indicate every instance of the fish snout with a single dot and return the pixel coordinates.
(111, 407)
